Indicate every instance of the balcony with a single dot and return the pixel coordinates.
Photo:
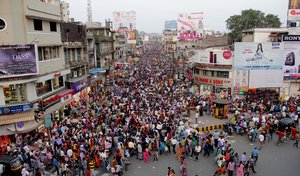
(104, 39)
(77, 63)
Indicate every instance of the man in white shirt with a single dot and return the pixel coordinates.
(261, 140)
(1, 169)
(196, 118)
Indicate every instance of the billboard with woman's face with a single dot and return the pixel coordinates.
(258, 56)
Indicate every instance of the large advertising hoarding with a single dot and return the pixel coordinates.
(171, 25)
(18, 60)
(294, 4)
(258, 56)
(131, 36)
(190, 26)
(124, 19)
(293, 17)
(291, 65)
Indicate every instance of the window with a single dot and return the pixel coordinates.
(46, 53)
(38, 25)
(54, 52)
(197, 71)
(223, 74)
(78, 54)
(73, 54)
(53, 27)
(208, 73)
(14, 93)
(40, 52)
(67, 56)
(43, 87)
(58, 82)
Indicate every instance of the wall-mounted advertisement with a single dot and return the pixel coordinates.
(291, 65)
(294, 4)
(171, 25)
(124, 19)
(258, 56)
(18, 60)
(240, 78)
(131, 36)
(190, 26)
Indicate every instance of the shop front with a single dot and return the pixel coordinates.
(97, 77)
(215, 87)
(80, 87)
(53, 106)
(16, 119)
(49, 83)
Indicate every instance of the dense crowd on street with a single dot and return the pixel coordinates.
(142, 117)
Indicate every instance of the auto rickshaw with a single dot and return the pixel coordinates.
(13, 165)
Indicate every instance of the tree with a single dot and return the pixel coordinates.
(249, 19)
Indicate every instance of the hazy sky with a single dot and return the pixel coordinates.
(151, 14)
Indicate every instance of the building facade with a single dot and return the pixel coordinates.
(213, 73)
(32, 22)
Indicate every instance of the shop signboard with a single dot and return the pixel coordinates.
(14, 109)
(220, 82)
(80, 85)
(258, 56)
(18, 60)
(291, 65)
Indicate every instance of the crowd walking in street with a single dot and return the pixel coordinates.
(142, 117)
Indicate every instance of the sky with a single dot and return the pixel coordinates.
(151, 14)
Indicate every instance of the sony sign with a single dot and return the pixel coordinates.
(291, 38)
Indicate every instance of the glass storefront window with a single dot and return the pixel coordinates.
(58, 82)
(43, 87)
(14, 93)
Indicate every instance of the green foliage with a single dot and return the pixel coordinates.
(249, 19)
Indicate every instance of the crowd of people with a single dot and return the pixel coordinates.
(140, 117)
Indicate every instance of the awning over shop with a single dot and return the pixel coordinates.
(14, 129)
(18, 117)
(57, 106)
(78, 79)
(68, 91)
(97, 70)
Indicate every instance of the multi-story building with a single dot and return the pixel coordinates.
(104, 45)
(74, 38)
(213, 73)
(31, 22)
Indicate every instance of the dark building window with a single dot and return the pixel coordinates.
(38, 25)
(53, 27)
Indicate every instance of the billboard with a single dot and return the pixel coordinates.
(190, 26)
(18, 60)
(124, 19)
(131, 36)
(171, 25)
(258, 56)
(294, 4)
(291, 63)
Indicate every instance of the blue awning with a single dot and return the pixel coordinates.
(97, 70)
